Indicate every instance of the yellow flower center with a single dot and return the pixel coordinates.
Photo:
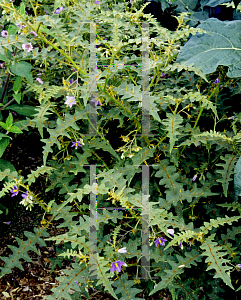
(116, 265)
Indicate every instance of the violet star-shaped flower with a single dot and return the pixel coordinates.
(58, 10)
(72, 81)
(117, 266)
(76, 144)
(25, 195)
(96, 102)
(70, 101)
(97, 2)
(19, 26)
(160, 241)
(14, 191)
(216, 82)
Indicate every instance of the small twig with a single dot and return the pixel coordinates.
(7, 104)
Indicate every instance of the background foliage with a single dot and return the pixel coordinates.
(193, 151)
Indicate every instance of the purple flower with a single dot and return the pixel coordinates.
(216, 82)
(19, 26)
(199, 145)
(181, 246)
(117, 266)
(231, 118)
(217, 10)
(163, 75)
(14, 191)
(25, 195)
(7, 223)
(72, 81)
(160, 241)
(39, 80)
(239, 265)
(97, 2)
(4, 33)
(96, 102)
(27, 46)
(77, 282)
(194, 177)
(170, 231)
(131, 2)
(76, 144)
(70, 101)
(34, 33)
(58, 10)
(46, 11)
(2, 65)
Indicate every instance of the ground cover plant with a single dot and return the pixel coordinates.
(154, 177)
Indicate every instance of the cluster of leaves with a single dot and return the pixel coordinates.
(184, 165)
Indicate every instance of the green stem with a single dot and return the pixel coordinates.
(100, 159)
(199, 115)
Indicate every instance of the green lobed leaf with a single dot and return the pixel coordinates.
(172, 124)
(216, 261)
(227, 171)
(21, 252)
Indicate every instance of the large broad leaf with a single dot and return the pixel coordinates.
(22, 69)
(25, 110)
(221, 46)
(212, 3)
